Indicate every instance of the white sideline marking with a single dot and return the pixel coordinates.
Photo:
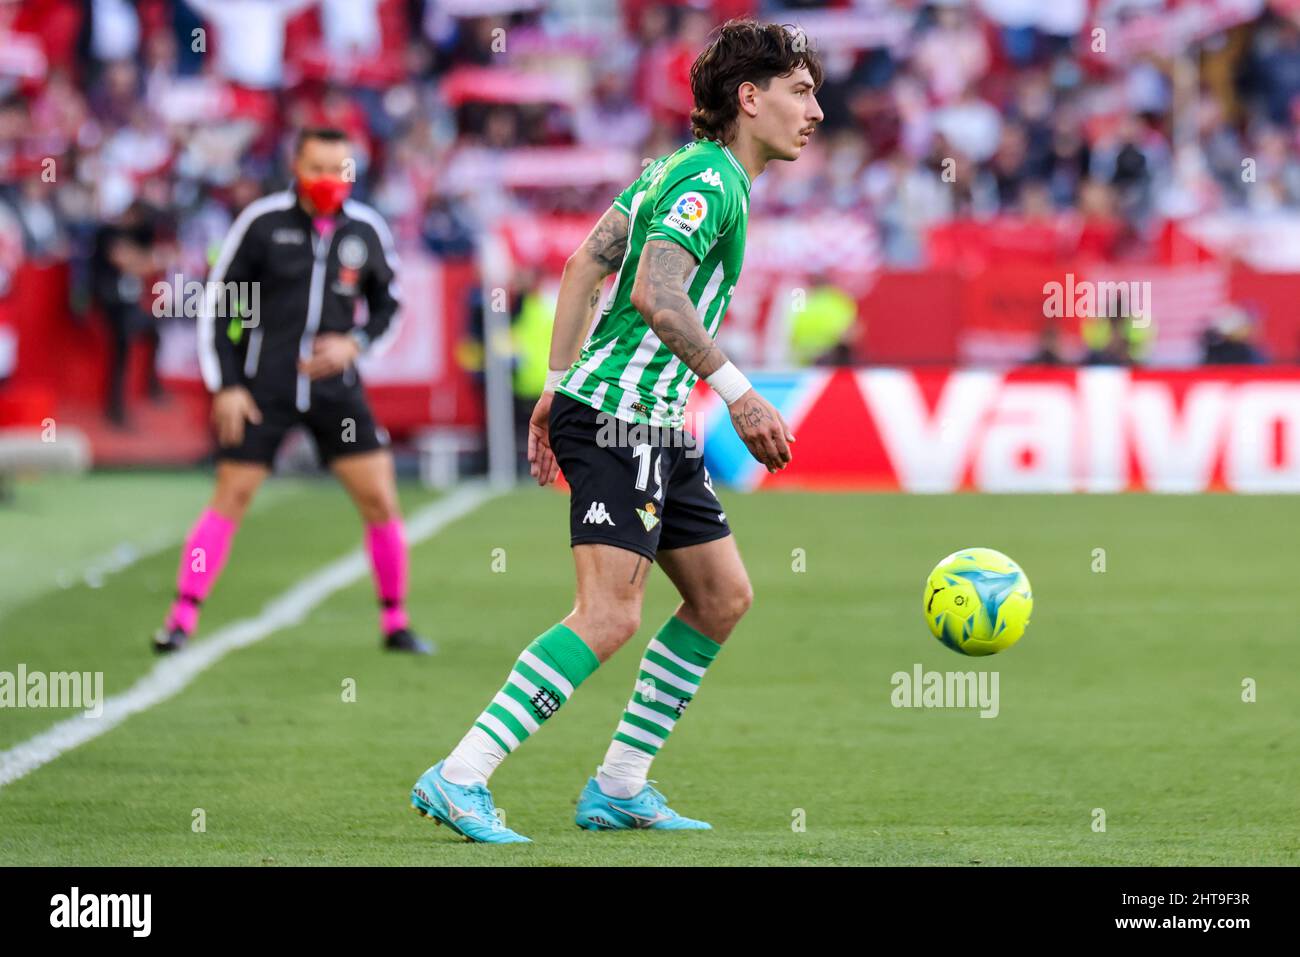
(170, 675)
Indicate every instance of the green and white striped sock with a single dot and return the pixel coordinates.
(543, 678)
(671, 670)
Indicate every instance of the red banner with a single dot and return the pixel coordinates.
(1033, 430)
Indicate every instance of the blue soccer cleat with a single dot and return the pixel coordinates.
(597, 811)
(466, 810)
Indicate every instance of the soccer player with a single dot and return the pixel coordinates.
(676, 237)
(300, 260)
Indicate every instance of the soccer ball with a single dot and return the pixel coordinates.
(977, 601)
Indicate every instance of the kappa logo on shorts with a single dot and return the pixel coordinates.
(648, 517)
(596, 515)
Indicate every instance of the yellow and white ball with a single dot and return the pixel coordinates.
(977, 601)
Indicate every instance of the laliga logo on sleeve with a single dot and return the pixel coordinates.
(687, 213)
(691, 207)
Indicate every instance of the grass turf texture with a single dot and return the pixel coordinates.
(1124, 695)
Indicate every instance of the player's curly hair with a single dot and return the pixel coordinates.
(744, 51)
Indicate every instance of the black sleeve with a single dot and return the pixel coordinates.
(239, 260)
(103, 274)
(380, 287)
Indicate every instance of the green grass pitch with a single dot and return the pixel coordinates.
(1125, 695)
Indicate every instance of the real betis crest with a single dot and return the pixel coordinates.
(648, 517)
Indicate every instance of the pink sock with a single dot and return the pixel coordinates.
(202, 559)
(387, 546)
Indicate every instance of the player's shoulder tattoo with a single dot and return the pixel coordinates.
(607, 241)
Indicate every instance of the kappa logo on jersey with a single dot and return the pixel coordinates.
(648, 517)
(687, 213)
(710, 177)
(596, 515)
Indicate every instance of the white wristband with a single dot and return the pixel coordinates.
(553, 378)
(729, 382)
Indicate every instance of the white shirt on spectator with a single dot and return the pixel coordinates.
(351, 26)
(115, 31)
(971, 126)
(951, 60)
(1061, 18)
(250, 37)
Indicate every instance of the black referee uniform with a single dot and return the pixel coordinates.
(306, 285)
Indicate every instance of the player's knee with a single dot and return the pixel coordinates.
(610, 623)
(744, 598)
(724, 607)
(736, 601)
(377, 506)
(623, 622)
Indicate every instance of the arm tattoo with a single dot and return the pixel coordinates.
(664, 268)
(608, 239)
(749, 419)
(580, 287)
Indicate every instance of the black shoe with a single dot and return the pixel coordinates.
(167, 640)
(406, 640)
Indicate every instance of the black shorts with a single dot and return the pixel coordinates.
(339, 419)
(633, 487)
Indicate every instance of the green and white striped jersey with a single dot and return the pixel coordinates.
(698, 197)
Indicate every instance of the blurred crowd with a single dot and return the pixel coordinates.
(131, 131)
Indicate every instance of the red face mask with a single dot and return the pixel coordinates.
(326, 193)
